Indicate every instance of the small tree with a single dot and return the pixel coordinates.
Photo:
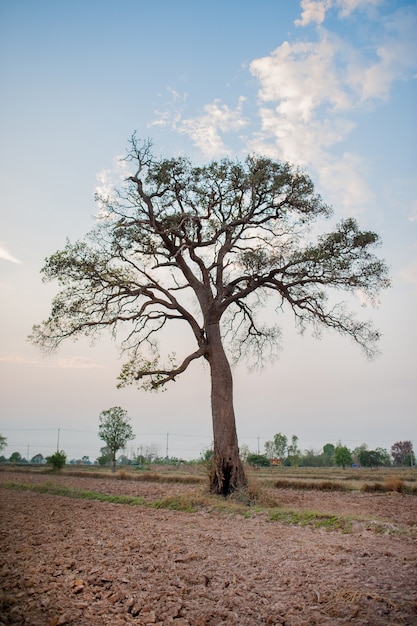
(277, 448)
(105, 457)
(293, 451)
(342, 456)
(38, 458)
(57, 460)
(115, 430)
(16, 457)
(328, 453)
(3, 442)
(371, 458)
(402, 453)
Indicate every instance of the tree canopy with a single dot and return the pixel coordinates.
(115, 429)
(205, 246)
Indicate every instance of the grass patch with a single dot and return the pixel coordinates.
(175, 503)
(69, 492)
(393, 483)
(311, 518)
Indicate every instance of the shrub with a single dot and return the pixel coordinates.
(258, 460)
(57, 460)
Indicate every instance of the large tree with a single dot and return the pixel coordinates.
(204, 246)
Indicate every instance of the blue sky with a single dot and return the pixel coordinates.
(329, 85)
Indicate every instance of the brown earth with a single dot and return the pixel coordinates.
(74, 562)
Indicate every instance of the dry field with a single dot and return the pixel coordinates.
(78, 550)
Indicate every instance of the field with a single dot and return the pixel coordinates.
(152, 546)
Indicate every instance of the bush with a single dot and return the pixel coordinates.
(57, 460)
(258, 460)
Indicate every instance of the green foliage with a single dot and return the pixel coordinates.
(57, 460)
(293, 451)
(328, 452)
(342, 456)
(316, 519)
(16, 457)
(258, 460)
(372, 458)
(115, 429)
(277, 448)
(38, 458)
(3, 442)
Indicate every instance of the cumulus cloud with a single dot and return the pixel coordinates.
(310, 91)
(6, 256)
(315, 10)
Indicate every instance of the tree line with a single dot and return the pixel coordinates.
(281, 451)
(115, 430)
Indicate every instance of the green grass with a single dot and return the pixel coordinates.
(69, 492)
(312, 518)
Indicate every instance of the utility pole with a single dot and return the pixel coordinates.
(57, 441)
(166, 454)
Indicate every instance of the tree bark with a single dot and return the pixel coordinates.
(227, 473)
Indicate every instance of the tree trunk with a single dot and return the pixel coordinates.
(227, 473)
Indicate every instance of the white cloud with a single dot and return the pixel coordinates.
(310, 91)
(310, 94)
(6, 256)
(206, 130)
(315, 10)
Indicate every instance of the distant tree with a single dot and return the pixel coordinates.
(38, 458)
(385, 456)
(115, 430)
(277, 448)
(402, 453)
(3, 459)
(357, 452)
(258, 460)
(328, 452)
(105, 457)
(3, 442)
(86, 460)
(312, 458)
(293, 451)
(342, 456)
(57, 460)
(202, 247)
(16, 457)
(371, 458)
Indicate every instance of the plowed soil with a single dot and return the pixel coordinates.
(75, 562)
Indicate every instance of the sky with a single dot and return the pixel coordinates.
(328, 85)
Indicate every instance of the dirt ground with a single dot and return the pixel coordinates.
(72, 562)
